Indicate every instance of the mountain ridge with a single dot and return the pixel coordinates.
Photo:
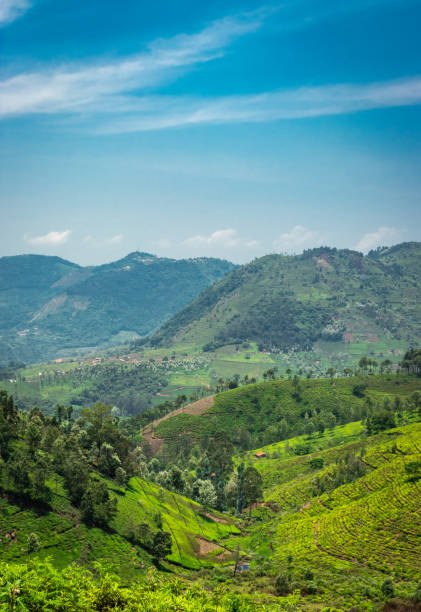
(324, 295)
(48, 304)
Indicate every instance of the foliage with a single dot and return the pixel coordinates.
(411, 362)
(38, 586)
(271, 411)
(161, 544)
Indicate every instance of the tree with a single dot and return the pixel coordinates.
(240, 488)
(176, 479)
(231, 490)
(252, 486)
(331, 372)
(108, 460)
(411, 363)
(316, 463)
(380, 422)
(34, 433)
(220, 452)
(161, 545)
(121, 476)
(96, 506)
(76, 477)
(206, 494)
(282, 584)
(40, 473)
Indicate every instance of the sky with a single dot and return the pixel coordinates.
(226, 129)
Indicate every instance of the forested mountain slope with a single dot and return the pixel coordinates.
(48, 304)
(325, 297)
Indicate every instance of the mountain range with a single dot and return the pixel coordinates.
(49, 305)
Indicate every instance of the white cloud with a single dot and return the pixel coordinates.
(160, 112)
(50, 239)
(296, 239)
(12, 9)
(384, 236)
(224, 238)
(94, 242)
(75, 89)
(115, 239)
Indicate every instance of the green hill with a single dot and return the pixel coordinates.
(328, 304)
(266, 412)
(335, 522)
(65, 538)
(49, 306)
(76, 486)
(339, 545)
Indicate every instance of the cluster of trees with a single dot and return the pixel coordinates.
(275, 321)
(411, 363)
(208, 476)
(348, 467)
(35, 448)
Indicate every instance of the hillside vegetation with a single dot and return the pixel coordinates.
(340, 521)
(332, 303)
(261, 413)
(326, 515)
(49, 305)
(72, 492)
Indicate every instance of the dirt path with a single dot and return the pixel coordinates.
(196, 408)
(206, 547)
(217, 519)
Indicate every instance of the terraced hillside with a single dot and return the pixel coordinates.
(266, 412)
(333, 304)
(353, 536)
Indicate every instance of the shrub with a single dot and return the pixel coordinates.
(32, 543)
(316, 463)
(282, 584)
(359, 390)
(387, 588)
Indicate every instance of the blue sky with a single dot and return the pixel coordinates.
(228, 129)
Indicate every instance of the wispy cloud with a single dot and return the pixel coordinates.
(117, 239)
(116, 97)
(384, 236)
(90, 240)
(297, 238)
(50, 239)
(70, 89)
(226, 238)
(304, 102)
(12, 9)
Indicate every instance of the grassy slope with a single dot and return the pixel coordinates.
(64, 537)
(255, 407)
(353, 537)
